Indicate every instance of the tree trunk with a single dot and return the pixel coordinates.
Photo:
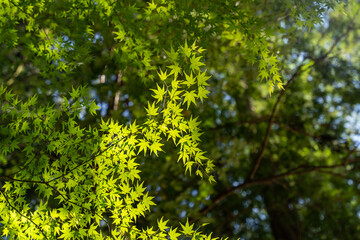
(284, 221)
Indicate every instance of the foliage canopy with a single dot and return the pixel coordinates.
(157, 72)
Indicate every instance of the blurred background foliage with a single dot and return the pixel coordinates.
(286, 164)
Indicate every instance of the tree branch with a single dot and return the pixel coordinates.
(295, 74)
(270, 122)
(299, 170)
(13, 207)
(338, 39)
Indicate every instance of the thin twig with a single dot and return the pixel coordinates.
(13, 207)
(270, 122)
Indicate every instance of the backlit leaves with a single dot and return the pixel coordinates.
(189, 97)
(195, 63)
(152, 110)
(88, 172)
(92, 175)
(159, 93)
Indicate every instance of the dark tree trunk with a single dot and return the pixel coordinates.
(284, 221)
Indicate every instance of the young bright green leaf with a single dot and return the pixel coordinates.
(152, 5)
(155, 147)
(163, 75)
(75, 93)
(189, 97)
(202, 93)
(175, 69)
(173, 234)
(187, 229)
(172, 54)
(186, 50)
(193, 123)
(190, 80)
(159, 93)
(162, 224)
(195, 63)
(174, 94)
(143, 146)
(93, 107)
(152, 110)
(202, 78)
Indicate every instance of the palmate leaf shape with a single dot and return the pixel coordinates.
(155, 147)
(143, 146)
(162, 224)
(152, 6)
(173, 234)
(202, 93)
(187, 228)
(202, 78)
(172, 55)
(189, 97)
(93, 107)
(174, 94)
(195, 63)
(152, 110)
(193, 123)
(186, 50)
(175, 69)
(159, 93)
(163, 75)
(189, 80)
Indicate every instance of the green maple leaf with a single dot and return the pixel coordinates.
(31, 102)
(93, 107)
(147, 201)
(186, 50)
(264, 74)
(276, 78)
(188, 166)
(193, 123)
(152, 5)
(143, 146)
(202, 78)
(172, 54)
(190, 80)
(9, 96)
(272, 60)
(193, 46)
(199, 157)
(155, 147)
(189, 97)
(173, 133)
(7, 186)
(75, 92)
(151, 110)
(195, 63)
(173, 234)
(202, 93)
(150, 231)
(162, 224)
(159, 93)
(175, 69)
(211, 179)
(163, 75)
(174, 94)
(199, 173)
(120, 34)
(187, 229)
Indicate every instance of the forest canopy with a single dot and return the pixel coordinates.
(185, 119)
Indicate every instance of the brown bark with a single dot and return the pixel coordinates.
(283, 218)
